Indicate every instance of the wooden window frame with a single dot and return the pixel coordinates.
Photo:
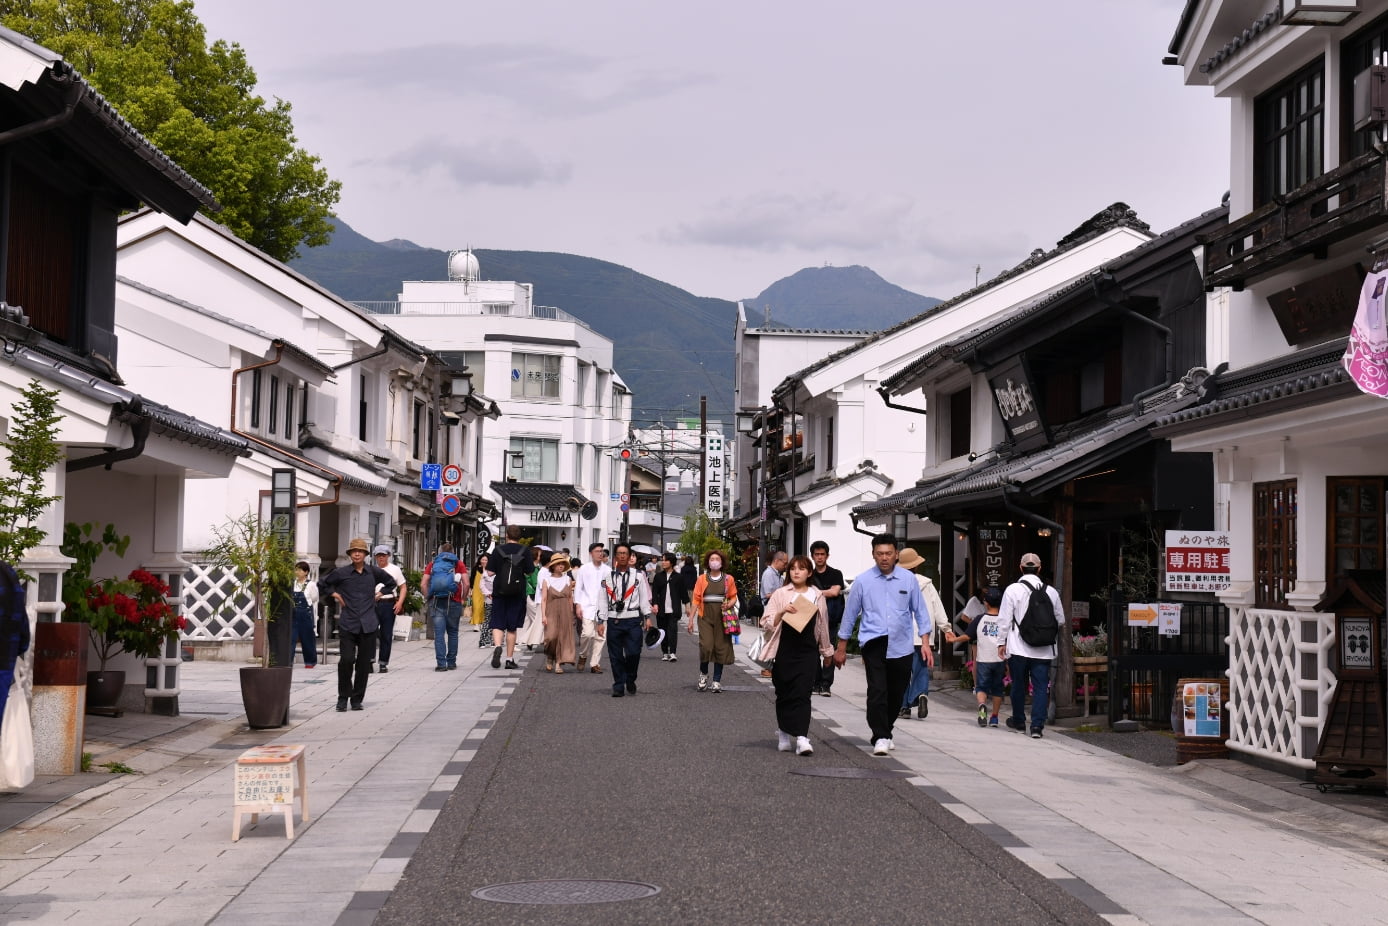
(1375, 486)
(1274, 542)
(1284, 120)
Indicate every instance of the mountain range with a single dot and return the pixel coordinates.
(670, 346)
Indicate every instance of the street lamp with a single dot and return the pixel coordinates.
(512, 460)
(1318, 12)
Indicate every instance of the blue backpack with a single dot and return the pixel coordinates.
(441, 584)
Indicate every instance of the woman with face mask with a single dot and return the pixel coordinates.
(715, 595)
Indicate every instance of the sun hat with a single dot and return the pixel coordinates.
(909, 559)
(380, 549)
(1030, 559)
(358, 543)
(559, 559)
(653, 638)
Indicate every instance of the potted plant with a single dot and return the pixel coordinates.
(263, 564)
(1090, 650)
(130, 615)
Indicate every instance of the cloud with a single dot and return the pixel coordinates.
(540, 78)
(501, 163)
(772, 222)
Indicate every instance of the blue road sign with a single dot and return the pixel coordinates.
(615, 495)
(431, 476)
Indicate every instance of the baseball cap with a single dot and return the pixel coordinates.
(381, 548)
(1030, 559)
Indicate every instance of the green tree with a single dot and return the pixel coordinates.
(260, 561)
(198, 104)
(33, 449)
(699, 535)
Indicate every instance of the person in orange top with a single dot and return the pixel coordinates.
(714, 593)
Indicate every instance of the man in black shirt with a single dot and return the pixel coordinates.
(830, 581)
(357, 587)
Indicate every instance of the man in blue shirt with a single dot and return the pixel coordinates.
(886, 606)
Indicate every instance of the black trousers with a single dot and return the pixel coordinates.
(385, 613)
(670, 623)
(355, 650)
(887, 681)
(824, 677)
(793, 674)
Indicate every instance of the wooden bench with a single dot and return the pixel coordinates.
(268, 778)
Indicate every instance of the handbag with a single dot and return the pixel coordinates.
(731, 625)
(16, 742)
(761, 651)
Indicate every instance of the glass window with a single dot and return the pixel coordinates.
(289, 411)
(274, 404)
(255, 398)
(1366, 48)
(959, 424)
(1274, 542)
(1289, 134)
(541, 459)
(363, 407)
(535, 376)
(1356, 523)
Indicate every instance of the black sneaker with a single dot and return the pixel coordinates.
(511, 664)
(1035, 733)
(903, 713)
(1014, 724)
(452, 665)
(631, 688)
(440, 668)
(384, 668)
(496, 658)
(922, 706)
(357, 706)
(618, 693)
(342, 704)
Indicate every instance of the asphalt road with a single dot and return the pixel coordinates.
(686, 792)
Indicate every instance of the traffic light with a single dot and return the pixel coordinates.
(626, 454)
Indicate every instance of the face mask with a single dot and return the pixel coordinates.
(715, 564)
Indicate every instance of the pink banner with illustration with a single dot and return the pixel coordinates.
(1366, 358)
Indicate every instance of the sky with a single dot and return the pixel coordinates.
(721, 146)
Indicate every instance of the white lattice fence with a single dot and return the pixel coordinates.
(1280, 686)
(215, 605)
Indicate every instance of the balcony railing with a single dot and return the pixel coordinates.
(510, 310)
(1308, 220)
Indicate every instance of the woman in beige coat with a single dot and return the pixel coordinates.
(798, 654)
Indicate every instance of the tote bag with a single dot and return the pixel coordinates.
(16, 742)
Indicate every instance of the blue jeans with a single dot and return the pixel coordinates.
(445, 613)
(624, 640)
(1038, 672)
(920, 679)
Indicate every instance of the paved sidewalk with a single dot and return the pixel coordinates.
(155, 848)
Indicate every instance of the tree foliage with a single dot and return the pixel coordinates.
(699, 535)
(32, 448)
(258, 557)
(197, 103)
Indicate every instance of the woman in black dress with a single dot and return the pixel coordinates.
(798, 653)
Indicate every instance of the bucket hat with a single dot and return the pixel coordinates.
(358, 543)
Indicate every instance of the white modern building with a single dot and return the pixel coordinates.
(564, 408)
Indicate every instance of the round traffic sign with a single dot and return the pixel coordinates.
(625, 498)
(626, 507)
(451, 504)
(452, 474)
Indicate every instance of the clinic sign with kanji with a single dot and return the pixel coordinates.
(715, 477)
(1197, 561)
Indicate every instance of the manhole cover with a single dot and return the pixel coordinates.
(565, 892)
(851, 772)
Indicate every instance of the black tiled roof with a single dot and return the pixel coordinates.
(1305, 377)
(1238, 42)
(539, 494)
(178, 425)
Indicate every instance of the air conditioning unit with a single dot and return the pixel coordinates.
(1370, 97)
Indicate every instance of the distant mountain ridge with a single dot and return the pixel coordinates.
(853, 298)
(670, 346)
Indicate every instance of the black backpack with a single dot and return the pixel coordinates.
(1038, 626)
(509, 570)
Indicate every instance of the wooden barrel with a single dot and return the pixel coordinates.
(1201, 703)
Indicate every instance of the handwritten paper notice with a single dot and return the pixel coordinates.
(265, 784)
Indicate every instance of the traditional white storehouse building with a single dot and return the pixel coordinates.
(564, 408)
(1300, 453)
(852, 444)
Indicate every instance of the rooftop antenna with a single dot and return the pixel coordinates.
(766, 315)
(978, 268)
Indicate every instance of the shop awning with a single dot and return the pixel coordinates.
(539, 494)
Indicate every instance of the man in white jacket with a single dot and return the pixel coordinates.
(592, 605)
(1028, 662)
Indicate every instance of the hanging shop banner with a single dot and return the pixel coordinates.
(715, 472)
(1014, 397)
(1200, 704)
(1196, 561)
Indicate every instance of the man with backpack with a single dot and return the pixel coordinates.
(445, 587)
(509, 564)
(1031, 616)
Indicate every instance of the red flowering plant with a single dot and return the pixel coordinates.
(130, 615)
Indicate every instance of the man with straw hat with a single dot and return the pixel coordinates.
(918, 694)
(356, 587)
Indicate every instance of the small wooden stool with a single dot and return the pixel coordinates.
(268, 778)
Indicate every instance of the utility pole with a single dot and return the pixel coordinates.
(703, 444)
(664, 464)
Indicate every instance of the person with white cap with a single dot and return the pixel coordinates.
(387, 609)
(1030, 614)
(918, 693)
(356, 587)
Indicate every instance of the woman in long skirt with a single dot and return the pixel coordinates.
(557, 608)
(798, 654)
(715, 593)
(484, 582)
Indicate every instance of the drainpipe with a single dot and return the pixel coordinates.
(70, 99)
(332, 475)
(854, 519)
(343, 366)
(139, 430)
(884, 393)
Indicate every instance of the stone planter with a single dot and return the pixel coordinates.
(265, 695)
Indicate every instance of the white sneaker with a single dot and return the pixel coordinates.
(803, 747)
(703, 683)
(784, 741)
(891, 744)
(664, 657)
(674, 658)
(716, 688)
(881, 747)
